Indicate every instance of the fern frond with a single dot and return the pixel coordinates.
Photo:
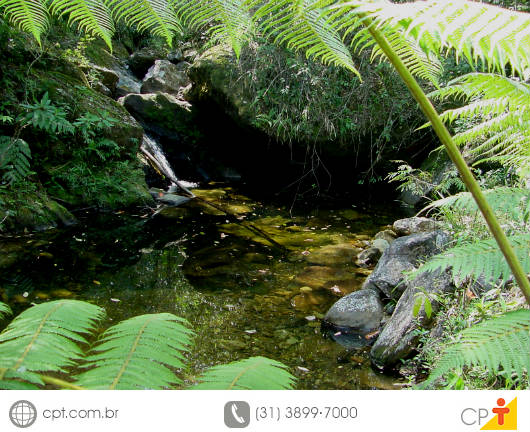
(15, 155)
(45, 338)
(301, 25)
(135, 353)
(4, 310)
(345, 17)
(91, 15)
(480, 32)
(481, 258)
(501, 106)
(29, 15)
(510, 201)
(225, 20)
(154, 16)
(500, 342)
(254, 373)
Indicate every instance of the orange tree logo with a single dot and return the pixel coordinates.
(505, 416)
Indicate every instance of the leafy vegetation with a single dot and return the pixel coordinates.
(499, 344)
(14, 159)
(143, 352)
(494, 123)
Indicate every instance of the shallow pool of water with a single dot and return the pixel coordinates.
(255, 283)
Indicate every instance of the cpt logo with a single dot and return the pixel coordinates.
(505, 416)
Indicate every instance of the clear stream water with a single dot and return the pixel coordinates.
(242, 295)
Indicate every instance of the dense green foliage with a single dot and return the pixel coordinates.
(142, 352)
(500, 344)
(412, 36)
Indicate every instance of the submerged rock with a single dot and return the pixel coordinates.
(172, 200)
(404, 254)
(333, 255)
(399, 337)
(335, 280)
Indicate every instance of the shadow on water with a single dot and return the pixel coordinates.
(242, 295)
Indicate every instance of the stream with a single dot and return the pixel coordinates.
(243, 294)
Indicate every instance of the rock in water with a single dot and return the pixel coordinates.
(172, 200)
(399, 337)
(360, 313)
(404, 254)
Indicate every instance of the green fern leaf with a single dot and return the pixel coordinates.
(14, 159)
(347, 18)
(154, 16)
(91, 15)
(301, 25)
(500, 342)
(481, 258)
(225, 20)
(4, 310)
(135, 353)
(45, 338)
(479, 32)
(254, 373)
(506, 202)
(29, 15)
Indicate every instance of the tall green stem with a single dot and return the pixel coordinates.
(454, 154)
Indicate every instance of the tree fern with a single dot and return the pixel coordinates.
(45, 338)
(498, 109)
(257, 373)
(480, 32)
(29, 15)
(497, 343)
(300, 25)
(481, 258)
(15, 155)
(511, 202)
(225, 20)
(350, 20)
(91, 15)
(155, 16)
(135, 353)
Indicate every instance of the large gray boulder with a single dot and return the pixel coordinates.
(399, 337)
(141, 60)
(160, 113)
(360, 312)
(165, 77)
(405, 253)
(127, 83)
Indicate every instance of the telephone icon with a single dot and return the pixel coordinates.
(237, 414)
(234, 413)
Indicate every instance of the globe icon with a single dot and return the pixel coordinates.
(23, 413)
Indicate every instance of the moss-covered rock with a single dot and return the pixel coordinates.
(161, 113)
(69, 91)
(293, 99)
(29, 209)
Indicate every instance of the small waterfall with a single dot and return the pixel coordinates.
(155, 154)
(153, 148)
